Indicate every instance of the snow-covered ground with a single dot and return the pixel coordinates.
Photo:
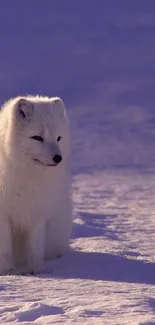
(99, 56)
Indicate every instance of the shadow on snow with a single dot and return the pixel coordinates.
(106, 267)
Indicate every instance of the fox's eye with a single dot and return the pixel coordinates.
(38, 138)
(58, 138)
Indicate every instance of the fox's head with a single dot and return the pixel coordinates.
(37, 130)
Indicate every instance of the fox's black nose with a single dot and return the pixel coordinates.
(57, 159)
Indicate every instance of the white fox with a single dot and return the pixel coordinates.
(35, 200)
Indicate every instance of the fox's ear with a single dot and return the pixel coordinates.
(58, 105)
(24, 108)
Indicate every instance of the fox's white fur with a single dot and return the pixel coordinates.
(35, 202)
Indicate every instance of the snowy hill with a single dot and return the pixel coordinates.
(99, 56)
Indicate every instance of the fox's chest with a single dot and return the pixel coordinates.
(25, 203)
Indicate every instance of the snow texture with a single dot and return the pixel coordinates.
(99, 56)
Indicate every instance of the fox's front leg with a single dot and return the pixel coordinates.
(36, 248)
(6, 249)
(59, 229)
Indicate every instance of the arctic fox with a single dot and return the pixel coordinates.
(35, 200)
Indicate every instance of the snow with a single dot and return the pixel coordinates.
(99, 56)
